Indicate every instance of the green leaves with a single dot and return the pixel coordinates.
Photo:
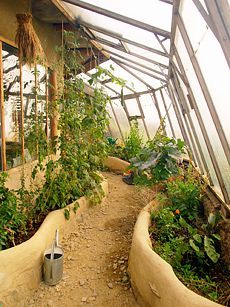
(210, 249)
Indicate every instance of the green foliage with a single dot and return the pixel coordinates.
(132, 147)
(185, 196)
(133, 142)
(158, 160)
(82, 145)
(190, 250)
(11, 218)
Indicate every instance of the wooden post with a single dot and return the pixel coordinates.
(22, 112)
(47, 107)
(36, 108)
(53, 97)
(3, 153)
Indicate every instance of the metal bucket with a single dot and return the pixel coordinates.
(53, 263)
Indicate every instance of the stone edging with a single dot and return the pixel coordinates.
(21, 266)
(153, 280)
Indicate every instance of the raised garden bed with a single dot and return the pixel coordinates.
(21, 266)
(153, 279)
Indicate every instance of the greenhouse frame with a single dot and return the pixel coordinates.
(176, 67)
(114, 131)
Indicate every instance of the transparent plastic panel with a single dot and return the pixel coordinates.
(151, 116)
(160, 104)
(175, 124)
(142, 130)
(121, 116)
(204, 42)
(133, 58)
(151, 81)
(132, 107)
(172, 115)
(156, 57)
(113, 125)
(204, 111)
(121, 73)
(212, 173)
(160, 12)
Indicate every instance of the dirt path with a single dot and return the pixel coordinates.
(96, 255)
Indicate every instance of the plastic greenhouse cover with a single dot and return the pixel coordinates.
(152, 12)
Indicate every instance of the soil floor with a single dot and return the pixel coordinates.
(96, 254)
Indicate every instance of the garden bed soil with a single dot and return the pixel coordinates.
(219, 273)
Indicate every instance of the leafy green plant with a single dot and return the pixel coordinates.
(208, 242)
(190, 250)
(133, 142)
(186, 197)
(158, 160)
(12, 220)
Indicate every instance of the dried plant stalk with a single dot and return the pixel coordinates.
(29, 46)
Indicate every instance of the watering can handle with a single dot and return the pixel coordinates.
(56, 238)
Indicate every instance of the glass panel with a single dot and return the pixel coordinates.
(12, 106)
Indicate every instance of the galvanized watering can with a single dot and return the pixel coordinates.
(53, 263)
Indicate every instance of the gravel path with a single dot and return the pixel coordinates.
(96, 255)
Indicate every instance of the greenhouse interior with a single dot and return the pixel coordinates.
(115, 136)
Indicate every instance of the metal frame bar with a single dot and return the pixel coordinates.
(204, 132)
(119, 17)
(120, 38)
(204, 88)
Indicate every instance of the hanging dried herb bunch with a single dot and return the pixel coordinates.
(29, 46)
